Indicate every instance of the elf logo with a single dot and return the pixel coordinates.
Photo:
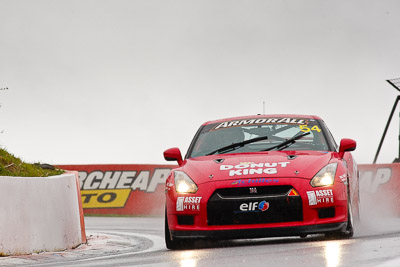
(255, 206)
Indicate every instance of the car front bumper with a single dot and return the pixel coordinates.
(259, 232)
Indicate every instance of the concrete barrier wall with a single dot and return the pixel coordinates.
(39, 214)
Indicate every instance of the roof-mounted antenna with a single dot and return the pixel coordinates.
(263, 107)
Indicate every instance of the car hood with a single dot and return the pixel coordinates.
(274, 164)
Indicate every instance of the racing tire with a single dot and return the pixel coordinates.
(349, 231)
(350, 223)
(171, 243)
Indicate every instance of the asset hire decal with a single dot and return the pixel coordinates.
(316, 197)
(188, 203)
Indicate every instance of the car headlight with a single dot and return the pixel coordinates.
(326, 176)
(183, 183)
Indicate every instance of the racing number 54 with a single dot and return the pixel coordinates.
(306, 129)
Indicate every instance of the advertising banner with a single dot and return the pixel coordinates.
(122, 189)
(134, 189)
(380, 183)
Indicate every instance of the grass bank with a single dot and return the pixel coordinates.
(13, 166)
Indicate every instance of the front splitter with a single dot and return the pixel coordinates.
(260, 232)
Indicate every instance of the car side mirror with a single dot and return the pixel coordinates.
(346, 145)
(173, 154)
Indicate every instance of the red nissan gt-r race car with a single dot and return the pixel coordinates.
(261, 176)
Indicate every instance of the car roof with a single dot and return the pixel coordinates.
(260, 116)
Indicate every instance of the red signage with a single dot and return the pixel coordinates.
(380, 183)
(122, 189)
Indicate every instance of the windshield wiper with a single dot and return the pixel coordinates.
(237, 145)
(287, 143)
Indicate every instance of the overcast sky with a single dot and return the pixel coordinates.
(121, 81)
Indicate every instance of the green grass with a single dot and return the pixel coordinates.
(13, 166)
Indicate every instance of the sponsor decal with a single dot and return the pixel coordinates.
(293, 193)
(254, 168)
(168, 186)
(312, 198)
(115, 198)
(254, 206)
(323, 196)
(263, 206)
(188, 203)
(261, 121)
(343, 178)
(246, 182)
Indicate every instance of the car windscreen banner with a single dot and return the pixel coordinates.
(122, 189)
(380, 185)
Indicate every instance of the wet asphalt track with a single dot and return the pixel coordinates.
(139, 242)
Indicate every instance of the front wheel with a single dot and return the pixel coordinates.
(171, 243)
(350, 227)
(349, 231)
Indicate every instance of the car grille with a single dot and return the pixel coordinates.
(236, 206)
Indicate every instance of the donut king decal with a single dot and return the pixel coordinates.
(249, 168)
(324, 196)
(261, 121)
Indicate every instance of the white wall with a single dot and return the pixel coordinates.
(39, 214)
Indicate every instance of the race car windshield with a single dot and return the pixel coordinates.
(234, 146)
(255, 135)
